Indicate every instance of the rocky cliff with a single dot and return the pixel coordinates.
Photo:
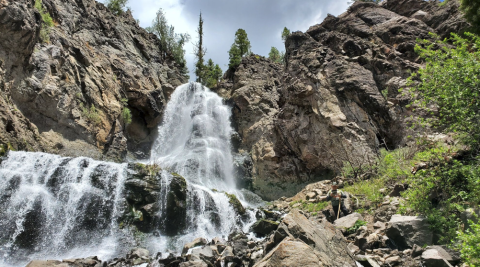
(66, 95)
(336, 99)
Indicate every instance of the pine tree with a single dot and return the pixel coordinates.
(471, 10)
(240, 47)
(200, 53)
(213, 73)
(274, 55)
(285, 34)
(116, 6)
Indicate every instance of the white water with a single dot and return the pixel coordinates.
(70, 208)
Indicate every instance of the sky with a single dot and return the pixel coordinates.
(263, 20)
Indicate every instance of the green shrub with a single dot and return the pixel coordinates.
(369, 189)
(468, 243)
(91, 114)
(126, 113)
(47, 22)
(311, 207)
(355, 227)
(116, 6)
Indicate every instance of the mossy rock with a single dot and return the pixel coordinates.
(145, 169)
(264, 227)
(237, 205)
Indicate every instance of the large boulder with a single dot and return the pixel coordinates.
(329, 244)
(406, 231)
(264, 227)
(434, 258)
(292, 253)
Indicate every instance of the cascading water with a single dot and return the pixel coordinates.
(194, 141)
(53, 207)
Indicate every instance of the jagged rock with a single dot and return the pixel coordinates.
(299, 121)
(453, 257)
(469, 214)
(264, 227)
(93, 58)
(236, 204)
(348, 221)
(47, 263)
(323, 238)
(138, 256)
(406, 231)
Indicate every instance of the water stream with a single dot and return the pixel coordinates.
(52, 207)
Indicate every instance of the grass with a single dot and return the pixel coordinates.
(311, 207)
(47, 22)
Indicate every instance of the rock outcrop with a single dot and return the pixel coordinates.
(66, 95)
(336, 98)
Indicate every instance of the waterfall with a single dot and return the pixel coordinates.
(194, 141)
(52, 207)
(51, 204)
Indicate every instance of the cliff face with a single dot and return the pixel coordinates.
(93, 59)
(336, 99)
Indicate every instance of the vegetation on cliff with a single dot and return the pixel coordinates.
(47, 22)
(240, 48)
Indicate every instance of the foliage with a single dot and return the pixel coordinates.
(171, 43)
(355, 227)
(200, 53)
(468, 245)
(47, 22)
(91, 114)
(285, 34)
(212, 75)
(310, 207)
(240, 47)
(275, 55)
(368, 189)
(126, 113)
(116, 6)
(471, 10)
(451, 80)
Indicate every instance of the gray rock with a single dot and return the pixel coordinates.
(453, 257)
(264, 227)
(193, 264)
(348, 221)
(406, 231)
(200, 241)
(433, 258)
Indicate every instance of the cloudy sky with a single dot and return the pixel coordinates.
(263, 20)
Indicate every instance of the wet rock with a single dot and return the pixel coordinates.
(138, 256)
(176, 212)
(236, 204)
(200, 241)
(264, 227)
(406, 231)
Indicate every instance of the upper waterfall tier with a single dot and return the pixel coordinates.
(194, 138)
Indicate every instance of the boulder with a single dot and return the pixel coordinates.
(291, 253)
(46, 263)
(264, 227)
(348, 221)
(453, 257)
(193, 264)
(433, 258)
(138, 256)
(322, 237)
(406, 231)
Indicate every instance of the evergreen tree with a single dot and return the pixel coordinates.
(275, 55)
(200, 53)
(471, 9)
(213, 73)
(240, 47)
(116, 6)
(285, 34)
(171, 43)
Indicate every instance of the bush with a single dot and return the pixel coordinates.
(91, 114)
(355, 227)
(116, 6)
(126, 113)
(469, 244)
(311, 207)
(450, 80)
(47, 22)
